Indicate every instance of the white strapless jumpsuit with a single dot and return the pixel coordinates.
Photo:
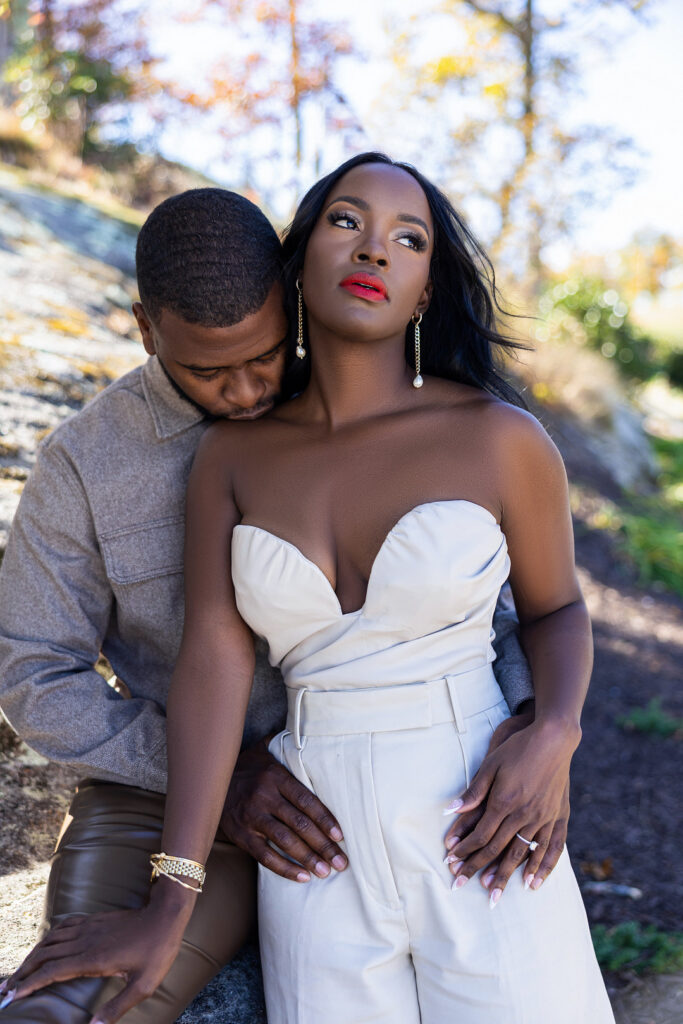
(391, 709)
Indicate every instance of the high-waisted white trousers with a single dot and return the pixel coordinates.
(388, 941)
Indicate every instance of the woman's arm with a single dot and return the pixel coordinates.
(206, 709)
(524, 780)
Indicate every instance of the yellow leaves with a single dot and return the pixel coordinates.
(445, 68)
(71, 327)
(496, 90)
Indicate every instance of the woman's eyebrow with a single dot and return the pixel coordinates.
(407, 218)
(360, 203)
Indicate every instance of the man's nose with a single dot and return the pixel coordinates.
(245, 389)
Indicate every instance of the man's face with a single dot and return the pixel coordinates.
(231, 372)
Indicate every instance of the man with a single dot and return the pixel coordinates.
(95, 563)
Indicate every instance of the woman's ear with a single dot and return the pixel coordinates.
(424, 300)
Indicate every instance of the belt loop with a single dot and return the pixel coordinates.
(451, 683)
(296, 724)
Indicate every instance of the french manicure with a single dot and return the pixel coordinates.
(459, 882)
(452, 858)
(453, 806)
(489, 878)
(527, 881)
(9, 998)
(537, 883)
(452, 841)
(494, 897)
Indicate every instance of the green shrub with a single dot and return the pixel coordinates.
(590, 312)
(631, 947)
(652, 719)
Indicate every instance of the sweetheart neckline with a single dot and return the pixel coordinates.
(394, 528)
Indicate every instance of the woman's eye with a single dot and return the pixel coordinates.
(343, 220)
(412, 241)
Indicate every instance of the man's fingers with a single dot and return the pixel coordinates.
(299, 838)
(261, 851)
(306, 801)
(311, 841)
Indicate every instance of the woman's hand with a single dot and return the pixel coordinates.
(136, 945)
(524, 785)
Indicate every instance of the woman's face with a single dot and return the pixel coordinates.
(366, 269)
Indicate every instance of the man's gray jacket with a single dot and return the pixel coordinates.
(95, 564)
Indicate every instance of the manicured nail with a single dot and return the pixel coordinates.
(452, 858)
(452, 841)
(537, 883)
(322, 869)
(9, 998)
(460, 881)
(527, 881)
(453, 806)
(303, 876)
(339, 862)
(489, 878)
(336, 833)
(494, 897)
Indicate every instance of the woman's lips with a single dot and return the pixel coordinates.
(365, 286)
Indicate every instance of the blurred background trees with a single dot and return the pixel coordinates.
(266, 95)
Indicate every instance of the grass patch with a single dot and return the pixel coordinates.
(647, 530)
(652, 719)
(631, 947)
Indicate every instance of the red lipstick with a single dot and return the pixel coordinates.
(365, 286)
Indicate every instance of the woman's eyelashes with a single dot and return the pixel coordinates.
(350, 222)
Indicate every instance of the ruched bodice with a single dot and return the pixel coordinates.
(428, 610)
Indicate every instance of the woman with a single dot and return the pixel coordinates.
(374, 581)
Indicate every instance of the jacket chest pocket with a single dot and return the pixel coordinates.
(144, 552)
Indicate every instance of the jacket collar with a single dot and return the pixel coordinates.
(171, 413)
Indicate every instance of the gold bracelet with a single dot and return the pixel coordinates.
(174, 878)
(163, 864)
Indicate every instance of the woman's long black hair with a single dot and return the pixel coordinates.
(460, 340)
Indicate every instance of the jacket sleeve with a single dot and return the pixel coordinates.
(55, 606)
(511, 667)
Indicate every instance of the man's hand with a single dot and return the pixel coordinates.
(482, 829)
(266, 804)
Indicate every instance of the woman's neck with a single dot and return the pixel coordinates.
(353, 380)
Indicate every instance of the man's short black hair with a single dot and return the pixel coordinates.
(209, 256)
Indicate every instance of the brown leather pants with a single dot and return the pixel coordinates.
(102, 863)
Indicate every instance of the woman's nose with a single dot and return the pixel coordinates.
(372, 250)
